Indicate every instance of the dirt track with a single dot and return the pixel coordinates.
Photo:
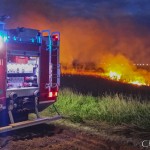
(56, 138)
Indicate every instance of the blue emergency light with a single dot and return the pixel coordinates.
(3, 38)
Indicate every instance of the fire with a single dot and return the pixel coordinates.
(136, 80)
(114, 75)
(117, 68)
(121, 69)
(138, 83)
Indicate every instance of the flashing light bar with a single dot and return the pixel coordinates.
(55, 37)
(3, 38)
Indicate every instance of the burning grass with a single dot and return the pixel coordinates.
(114, 67)
(112, 109)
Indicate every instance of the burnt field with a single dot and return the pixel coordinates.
(97, 86)
(50, 137)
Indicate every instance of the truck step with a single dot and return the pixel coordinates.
(28, 123)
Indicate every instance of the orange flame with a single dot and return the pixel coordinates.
(117, 68)
(121, 69)
(80, 43)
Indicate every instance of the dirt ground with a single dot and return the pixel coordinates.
(55, 137)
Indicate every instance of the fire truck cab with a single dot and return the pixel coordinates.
(29, 75)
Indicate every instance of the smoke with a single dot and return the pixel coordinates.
(90, 40)
(89, 34)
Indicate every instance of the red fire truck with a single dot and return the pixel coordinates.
(29, 75)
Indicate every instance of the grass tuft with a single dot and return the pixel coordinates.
(113, 109)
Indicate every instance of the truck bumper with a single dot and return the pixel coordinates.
(28, 123)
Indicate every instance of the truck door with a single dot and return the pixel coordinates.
(49, 68)
(44, 73)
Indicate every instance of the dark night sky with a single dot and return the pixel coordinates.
(110, 26)
(97, 9)
(104, 8)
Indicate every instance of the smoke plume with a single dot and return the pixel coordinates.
(89, 31)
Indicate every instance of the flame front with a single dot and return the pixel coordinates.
(117, 68)
(114, 75)
(137, 79)
(121, 69)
